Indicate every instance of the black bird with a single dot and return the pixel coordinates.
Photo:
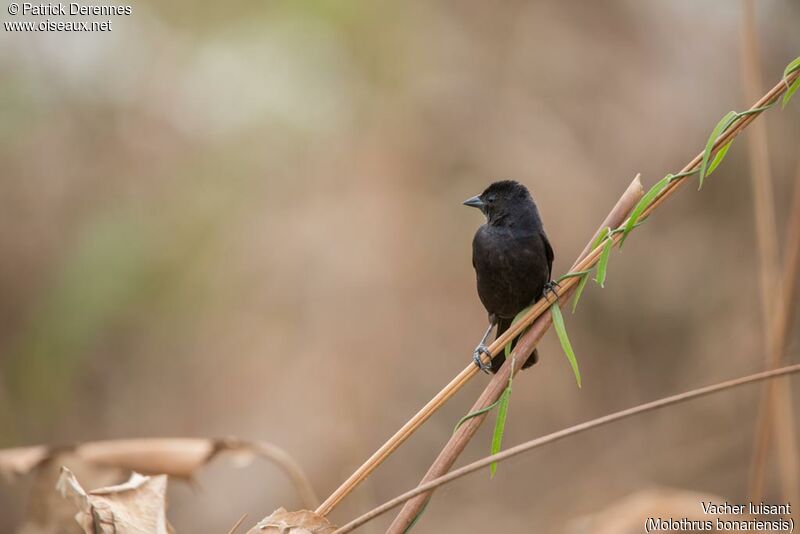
(512, 257)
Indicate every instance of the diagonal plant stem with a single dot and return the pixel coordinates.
(538, 309)
(525, 345)
(561, 434)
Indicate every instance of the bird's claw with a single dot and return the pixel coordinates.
(476, 357)
(550, 288)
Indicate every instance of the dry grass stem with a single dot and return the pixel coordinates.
(775, 405)
(760, 173)
(238, 523)
(770, 281)
(459, 441)
(561, 434)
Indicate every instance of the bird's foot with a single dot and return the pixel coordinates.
(550, 288)
(476, 357)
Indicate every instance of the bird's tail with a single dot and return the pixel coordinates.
(497, 361)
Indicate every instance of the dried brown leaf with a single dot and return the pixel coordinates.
(105, 462)
(176, 457)
(300, 522)
(46, 511)
(137, 506)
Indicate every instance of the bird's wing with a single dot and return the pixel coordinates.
(548, 251)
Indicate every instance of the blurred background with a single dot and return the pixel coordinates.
(245, 219)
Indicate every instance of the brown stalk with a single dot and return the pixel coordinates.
(236, 525)
(775, 402)
(771, 309)
(760, 173)
(458, 382)
(561, 434)
(458, 442)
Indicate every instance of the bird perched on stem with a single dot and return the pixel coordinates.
(512, 257)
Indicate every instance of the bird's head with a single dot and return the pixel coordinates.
(502, 201)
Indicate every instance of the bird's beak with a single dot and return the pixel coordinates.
(475, 202)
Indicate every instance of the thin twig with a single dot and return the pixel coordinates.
(561, 434)
(458, 442)
(236, 525)
(289, 465)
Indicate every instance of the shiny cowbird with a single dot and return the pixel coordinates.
(512, 257)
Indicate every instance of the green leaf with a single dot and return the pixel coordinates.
(500, 426)
(791, 91)
(561, 331)
(642, 205)
(604, 233)
(572, 274)
(721, 126)
(755, 111)
(678, 176)
(718, 157)
(476, 413)
(791, 67)
(602, 264)
(579, 290)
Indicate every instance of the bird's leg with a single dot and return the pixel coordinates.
(481, 349)
(550, 288)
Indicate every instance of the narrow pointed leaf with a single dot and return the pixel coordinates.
(476, 413)
(604, 233)
(500, 422)
(579, 290)
(721, 126)
(642, 205)
(718, 157)
(500, 427)
(561, 331)
(791, 67)
(602, 264)
(572, 274)
(789, 92)
(680, 175)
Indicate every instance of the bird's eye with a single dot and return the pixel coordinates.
(490, 199)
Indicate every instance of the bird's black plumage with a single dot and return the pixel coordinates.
(512, 257)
